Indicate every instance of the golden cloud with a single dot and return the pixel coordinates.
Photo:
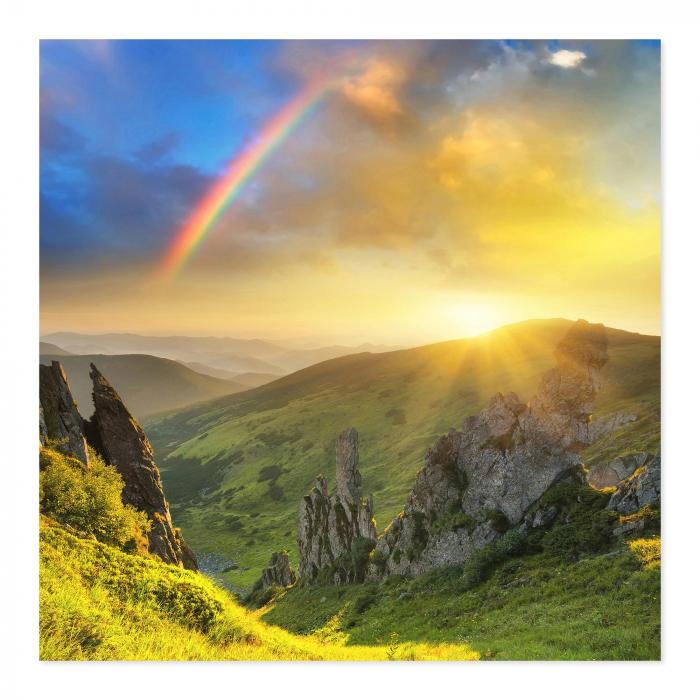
(374, 90)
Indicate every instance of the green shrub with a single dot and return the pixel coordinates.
(499, 522)
(452, 520)
(89, 500)
(484, 561)
(365, 601)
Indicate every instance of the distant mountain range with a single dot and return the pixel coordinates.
(232, 355)
(51, 349)
(146, 383)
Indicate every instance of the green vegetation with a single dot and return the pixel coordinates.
(99, 603)
(569, 591)
(532, 607)
(89, 500)
(212, 456)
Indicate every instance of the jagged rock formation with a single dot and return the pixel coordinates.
(641, 489)
(120, 440)
(114, 434)
(277, 573)
(336, 533)
(603, 476)
(479, 482)
(59, 419)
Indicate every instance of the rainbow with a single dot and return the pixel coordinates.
(238, 173)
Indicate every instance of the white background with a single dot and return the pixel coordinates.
(23, 24)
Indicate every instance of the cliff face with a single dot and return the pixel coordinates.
(59, 419)
(480, 481)
(336, 532)
(120, 440)
(115, 435)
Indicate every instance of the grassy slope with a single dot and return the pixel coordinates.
(99, 603)
(219, 460)
(147, 384)
(533, 607)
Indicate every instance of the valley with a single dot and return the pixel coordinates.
(235, 468)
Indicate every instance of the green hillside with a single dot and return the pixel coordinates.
(103, 597)
(147, 384)
(235, 469)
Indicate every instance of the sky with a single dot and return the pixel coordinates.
(433, 190)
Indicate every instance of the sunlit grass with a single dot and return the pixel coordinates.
(97, 603)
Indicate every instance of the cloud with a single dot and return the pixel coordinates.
(154, 151)
(567, 59)
(375, 90)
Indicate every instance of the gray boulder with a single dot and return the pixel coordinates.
(277, 573)
(641, 489)
(603, 476)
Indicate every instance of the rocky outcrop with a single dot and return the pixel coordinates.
(609, 424)
(641, 489)
(277, 573)
(480, 481)
(603, 476)
(336, 532)
(59, 420)
(118, 437)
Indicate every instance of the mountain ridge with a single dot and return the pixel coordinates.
(218, 457)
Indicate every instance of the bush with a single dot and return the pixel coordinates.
(452, 520)
(484, 561)
(499, 522)
(89, 500)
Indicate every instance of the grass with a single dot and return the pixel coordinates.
(100, 603)
(214, 457)
(534, 607)
(570, 591)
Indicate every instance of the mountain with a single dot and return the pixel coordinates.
(51, 349)
(235, 468)
(238, 364)
(248, 379)
(255, 379)
(148, 384)
(228, 354)
(174, 347)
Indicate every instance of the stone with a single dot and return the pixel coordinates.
(626, 528)
(611, 474)
(641, 489)
(336, 532)
(609, 424)
(59, 420)
(118, 437)
(277, 573)
(490, 473)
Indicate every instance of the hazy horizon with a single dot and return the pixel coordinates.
(316, 341)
